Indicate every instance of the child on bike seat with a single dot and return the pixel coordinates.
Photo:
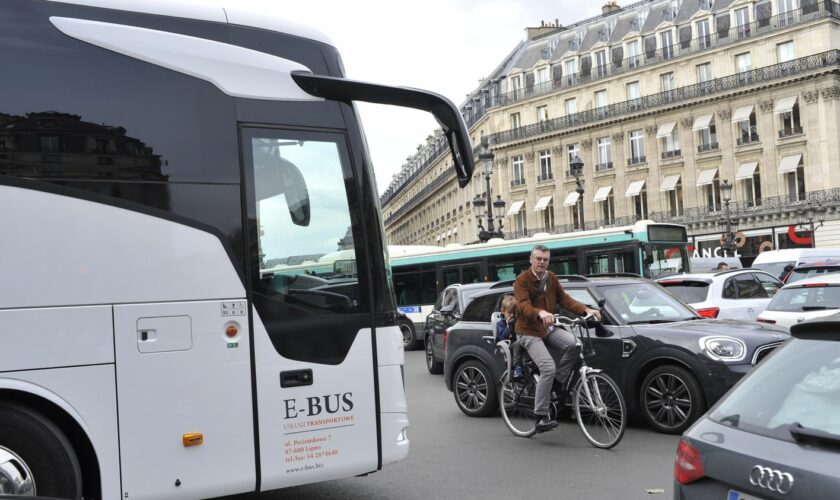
(505, 330)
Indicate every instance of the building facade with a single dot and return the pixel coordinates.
(664, 102)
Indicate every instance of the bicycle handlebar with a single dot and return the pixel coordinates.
(560, 320)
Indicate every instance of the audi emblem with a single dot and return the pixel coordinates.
(771, 479)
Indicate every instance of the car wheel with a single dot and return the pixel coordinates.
(474, 389)
(435, 367)
(671, 399)
(407, 330)
(37, 454)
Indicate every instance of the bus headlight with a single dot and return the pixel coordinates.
(723, 348)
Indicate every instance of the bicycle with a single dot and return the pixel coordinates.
(598, 405)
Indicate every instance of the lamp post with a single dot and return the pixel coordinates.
(576, 169)
(805, 219)
(486, 158)
(727, 241)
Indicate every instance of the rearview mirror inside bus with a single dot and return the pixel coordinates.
(275, 175)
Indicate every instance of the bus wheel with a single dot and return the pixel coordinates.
(38, 454)
(409, 339)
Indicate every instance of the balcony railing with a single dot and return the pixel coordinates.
(674, 153)
(748, 138)
(789, 131)
(517, 182)
(546, 176)
(602, 167)
(636, 160)
(822, 60)
(710, 146)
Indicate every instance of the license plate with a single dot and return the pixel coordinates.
(737, 495)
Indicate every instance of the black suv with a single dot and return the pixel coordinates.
(670, 363)
(447, 311)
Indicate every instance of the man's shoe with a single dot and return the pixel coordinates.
(546, 424)
(517, 372)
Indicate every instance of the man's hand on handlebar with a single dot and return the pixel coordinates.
(594, 312)
(547, 318)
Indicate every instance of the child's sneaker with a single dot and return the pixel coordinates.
(517, 372)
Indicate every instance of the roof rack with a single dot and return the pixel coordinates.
(501, 284)
(615, 275)
(572, 277)
(719, 273)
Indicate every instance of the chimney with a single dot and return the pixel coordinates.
(610, 7)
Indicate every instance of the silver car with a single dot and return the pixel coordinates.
(776, 434)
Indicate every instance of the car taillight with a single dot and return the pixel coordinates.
(687, 466)
(769, 321)
(708, 312)
(445, 334)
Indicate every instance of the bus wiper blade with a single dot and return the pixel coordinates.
(805, 434)
(817, 308)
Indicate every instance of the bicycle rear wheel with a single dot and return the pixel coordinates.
(516, 401)
(602, 414)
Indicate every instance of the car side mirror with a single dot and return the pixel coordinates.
(446, 310)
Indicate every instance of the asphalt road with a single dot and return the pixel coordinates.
(454, 456)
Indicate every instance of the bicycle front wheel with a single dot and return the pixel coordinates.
(600, 411)
(516, 401)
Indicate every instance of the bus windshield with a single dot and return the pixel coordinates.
(665, 259)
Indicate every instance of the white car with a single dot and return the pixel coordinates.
(734, 294)
(804, 299)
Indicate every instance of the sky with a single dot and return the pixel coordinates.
(445, 46)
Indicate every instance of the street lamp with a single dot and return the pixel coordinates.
(727, 241)
(486, 158)
(576, 169)
(805, 218)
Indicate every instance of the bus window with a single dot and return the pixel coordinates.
(407, 288)
(502, 272)
(565, 264)
(471, 274)
(428, 291)
(303, 216)
(451, 276)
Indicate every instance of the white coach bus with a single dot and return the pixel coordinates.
(156, 159)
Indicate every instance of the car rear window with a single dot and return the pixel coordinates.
(690, 292)
(810, 272)
(807, 298)
(800, 382)
(481, 308)
(776, 269)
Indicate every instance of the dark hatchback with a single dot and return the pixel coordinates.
(777, 433)
(447, 311)
(670, 363)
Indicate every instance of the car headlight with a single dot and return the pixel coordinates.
(723, 348)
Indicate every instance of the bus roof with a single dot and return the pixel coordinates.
(220, 11)
(499, 246)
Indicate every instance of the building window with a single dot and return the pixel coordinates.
(667, 81)
(49, 144)
(704, 72)
(641, 17)
(600, 98)
(516, 85)
(785, 52)
(633, 57)
(675, 200)
(545, 166)
(637, 147)
(785, 9)
(548, 216)
(604, 154)
(518, 173)
(704, 35)
(743, 62)
(708, 138)
(571, 71)
(542, 113)
(542, 79)
(608, 209)
(601, 63)
(574, 152)
(570, 105)
(515, 121)
(747, 130)
(667, 44)
(711, 192)
(790, 122)
(640, 204)
(742, 22)
(576, 222)
(633, 91)
(671, 144)
(520, 222)
(752, 189)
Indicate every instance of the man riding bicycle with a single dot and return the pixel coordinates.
(538, 294)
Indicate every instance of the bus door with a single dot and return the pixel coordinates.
(313, 344)
(622, 259)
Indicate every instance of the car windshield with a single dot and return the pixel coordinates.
(689, 291)
(641, 302)
(807, 298)
(776, 269)
(799, 383)
(809, 272)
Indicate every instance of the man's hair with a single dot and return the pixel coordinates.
(508, 303)
(721, 265)
(540, 248)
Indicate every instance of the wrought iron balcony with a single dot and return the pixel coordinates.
(789, 131)
(546, 176)
(517, 182)
(636, 160)
(674, 153)
(748, 138)
(710, 146)
(603, 167)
